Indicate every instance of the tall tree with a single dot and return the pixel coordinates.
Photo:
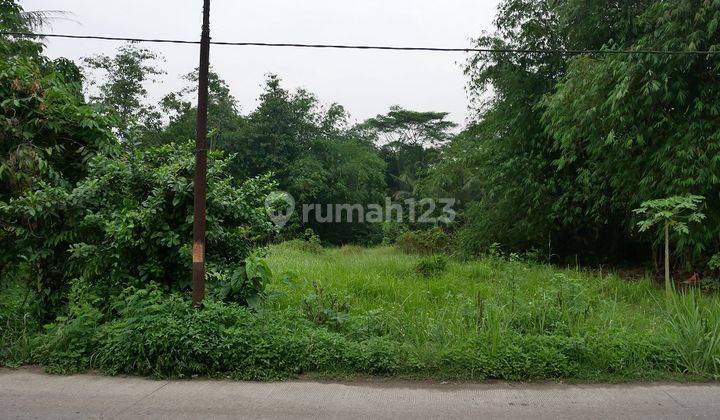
(631, 128)
(280, 130)
(47, 135)
(412, 127)
(123, 90)
(523, 204)
(408, 142)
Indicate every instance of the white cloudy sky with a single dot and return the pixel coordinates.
(365, 82)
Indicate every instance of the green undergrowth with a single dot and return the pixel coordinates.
(353, 311)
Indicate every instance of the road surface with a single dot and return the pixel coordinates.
(27, 393)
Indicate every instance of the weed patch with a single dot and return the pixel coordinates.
(431, 266)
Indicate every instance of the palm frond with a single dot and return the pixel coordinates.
(39, 19)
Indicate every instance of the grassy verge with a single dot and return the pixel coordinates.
(356, 311)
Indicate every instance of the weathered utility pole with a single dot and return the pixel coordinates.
(198, 279)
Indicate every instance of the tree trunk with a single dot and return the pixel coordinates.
(668, 288)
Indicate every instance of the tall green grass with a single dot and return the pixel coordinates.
(493, 304)
(695, 332)
(17, 322)
(452, 305)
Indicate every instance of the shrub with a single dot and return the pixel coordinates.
(310, 242)
(47, 134)
(391, 231)
(243, 285)
(161, 335)
(135, 221)
(325, 308)
(431, 266)
(423, 242)
(69, 342)
(74, 204)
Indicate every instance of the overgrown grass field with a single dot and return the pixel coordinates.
(437, 310)
(520, 318)
(342, 312)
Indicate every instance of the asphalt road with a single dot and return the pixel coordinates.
(27, 393)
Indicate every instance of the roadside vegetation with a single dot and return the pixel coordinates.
(597, 162)
(351, 311)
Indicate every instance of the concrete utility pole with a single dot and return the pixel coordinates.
(198, 279)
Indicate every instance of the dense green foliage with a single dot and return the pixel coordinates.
(408, 143)
(565, 148)
(47, 136)
(648, 124)
(75, 205)
(309, 149)
(14, 19)
(135, 215)
(78, 206)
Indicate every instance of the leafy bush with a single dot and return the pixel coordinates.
(68, 343)
(242, 285)
(312, 239)
(310, 242)
(128, 222)
(47, 134)
(135, 216)
(431, 266)
(714, 263)
(423, 242)
(325, 308)
(162, 335)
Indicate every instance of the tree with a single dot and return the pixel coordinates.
(133, 217)
(568, 146)
(456, 173)
(280, 130)
(673, 213)
(339, 170)
(180, 108)
(631, 127)
(313, 156)
(47, 135)
(408, 142)
(412, 127)
(36, 20)
(123, 90)
(513, 153)
(14, 19)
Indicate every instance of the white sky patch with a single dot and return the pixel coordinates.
(367, 83)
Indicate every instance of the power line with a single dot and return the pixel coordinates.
(368, 47)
